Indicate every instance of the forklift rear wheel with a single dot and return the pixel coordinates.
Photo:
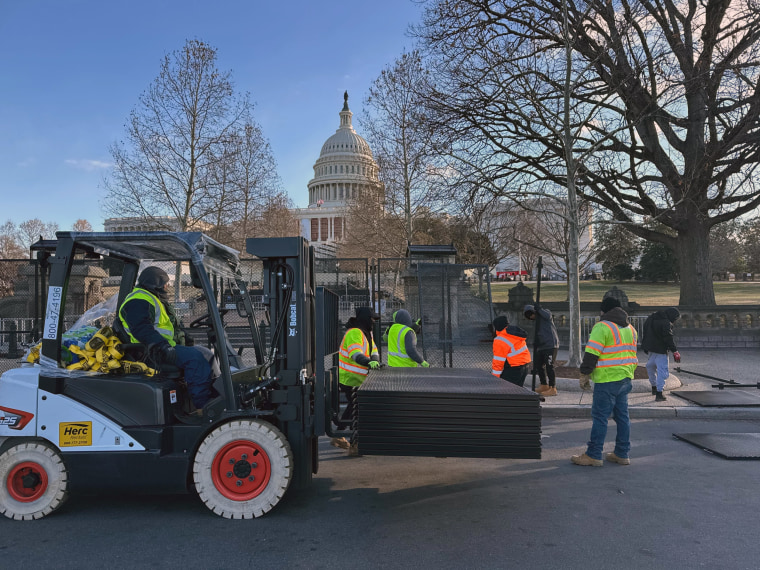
(243, 468)
(34, 481)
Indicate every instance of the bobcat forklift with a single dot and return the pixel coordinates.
(65, 430)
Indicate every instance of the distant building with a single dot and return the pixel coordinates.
(548, 228)
(344, 170)
(136, 224)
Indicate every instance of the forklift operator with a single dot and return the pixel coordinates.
(149, 318)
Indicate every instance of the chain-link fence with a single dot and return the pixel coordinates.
(453, 301)
(91, 298)
(21, 311)
(349, 278)
(455, 304)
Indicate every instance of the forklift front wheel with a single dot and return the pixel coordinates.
(243, 468)
(34, 481)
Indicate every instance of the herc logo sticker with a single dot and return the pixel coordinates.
(74, 434)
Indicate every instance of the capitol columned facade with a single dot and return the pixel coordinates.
(344, 170)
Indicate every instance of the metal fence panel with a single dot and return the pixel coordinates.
(21, 313)
(454, 301)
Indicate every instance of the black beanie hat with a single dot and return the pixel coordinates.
(609, 303)
(152, 279)
(673, 314)
(500, 322)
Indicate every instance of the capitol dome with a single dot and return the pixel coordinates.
(345, 141)
(344, 170)
(345, 166)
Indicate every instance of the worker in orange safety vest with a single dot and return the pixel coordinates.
(511, 356)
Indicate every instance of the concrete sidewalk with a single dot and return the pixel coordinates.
(740, 365)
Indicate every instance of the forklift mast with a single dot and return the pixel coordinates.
(289, 295)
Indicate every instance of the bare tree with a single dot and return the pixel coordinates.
(371, 231)
(10, 248)
(276, 219)
(30, 231)
(81, 225)
(507, 95)
(542, 224)
(258, 188)
(664, 108)
(175, 138)
(404, 146)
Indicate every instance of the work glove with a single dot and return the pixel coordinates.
(585, 381)
(374, 364)
(168, 354)
(425, 364)
(677, 356)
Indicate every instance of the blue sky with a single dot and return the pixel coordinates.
(71, 71)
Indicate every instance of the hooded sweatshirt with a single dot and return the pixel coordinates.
(545, 329)
(407, 342)
(658, 331)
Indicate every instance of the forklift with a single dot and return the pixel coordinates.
(63, 430)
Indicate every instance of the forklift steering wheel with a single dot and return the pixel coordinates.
(203, 320)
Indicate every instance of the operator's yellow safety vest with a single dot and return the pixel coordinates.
(161, 322)
(351, 373)
(397, 355)
(616, 349)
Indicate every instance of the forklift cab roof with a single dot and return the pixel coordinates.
(157, 246)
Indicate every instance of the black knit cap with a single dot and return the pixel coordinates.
(500, 323)
(609, 303)
(152, 279)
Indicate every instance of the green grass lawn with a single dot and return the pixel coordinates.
(726, 293)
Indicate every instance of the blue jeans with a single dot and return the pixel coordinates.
(610, 398)
(657, 368)
(197, 371)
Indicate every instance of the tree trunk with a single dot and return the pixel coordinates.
(693, 250)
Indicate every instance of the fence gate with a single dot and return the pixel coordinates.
(453, 301)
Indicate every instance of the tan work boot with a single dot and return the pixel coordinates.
(353, 449)
(615, 459)
(552, 391)
(586, 461)
(340, 442)
(541, 389)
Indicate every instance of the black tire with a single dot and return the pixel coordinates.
(33, 480)
(243, 468)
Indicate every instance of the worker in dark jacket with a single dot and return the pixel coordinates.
(149, 318)
(402, 342)
(656, 341)
(545, 351)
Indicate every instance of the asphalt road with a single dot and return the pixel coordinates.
(675, 507)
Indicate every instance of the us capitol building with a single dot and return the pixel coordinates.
(345, 168)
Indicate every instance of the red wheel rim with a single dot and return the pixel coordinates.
(27, 482)
(241, 470)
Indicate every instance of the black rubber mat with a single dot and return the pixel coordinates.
(726, 445)
(447, 412)
(717, 397)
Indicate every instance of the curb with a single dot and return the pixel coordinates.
(664, 412)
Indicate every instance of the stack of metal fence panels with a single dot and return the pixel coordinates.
(447, 412)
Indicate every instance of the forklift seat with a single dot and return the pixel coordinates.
(139, 352)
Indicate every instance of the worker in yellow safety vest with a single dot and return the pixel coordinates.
(148, 317)
(510, 352)
(610, 361)
(402, 342)
(358, 355)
